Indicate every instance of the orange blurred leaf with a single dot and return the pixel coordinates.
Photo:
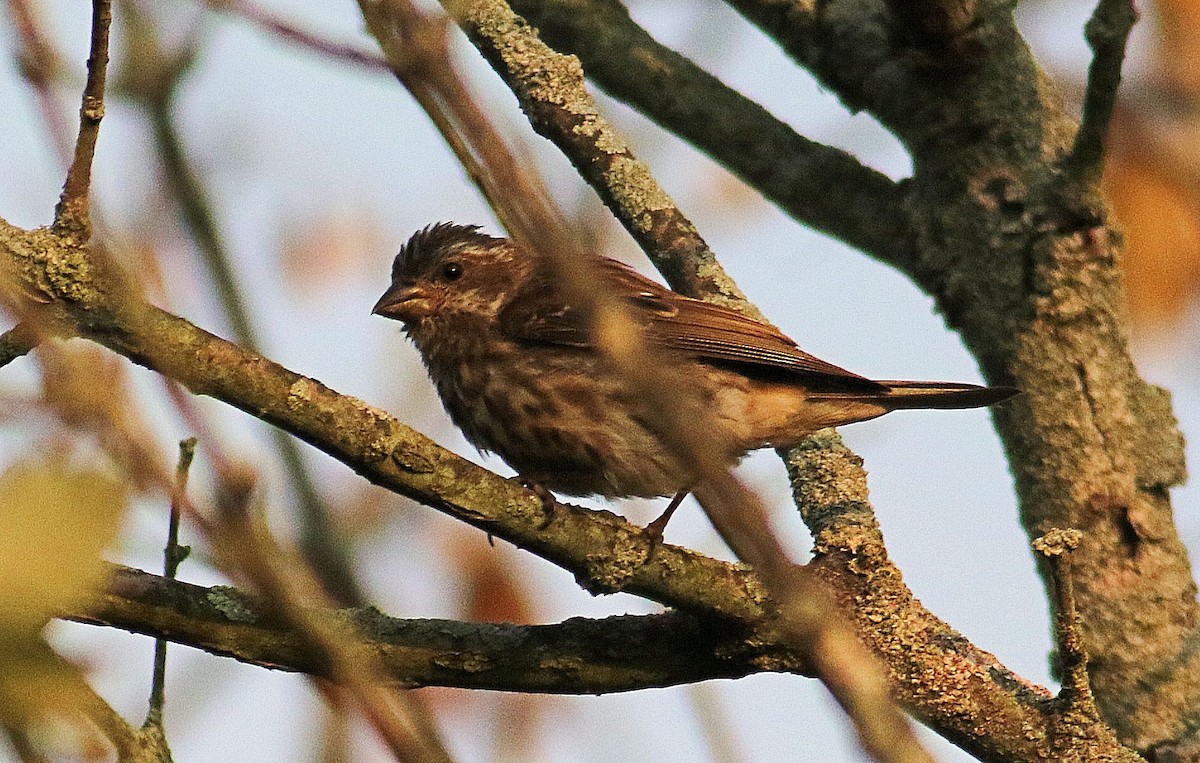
(1162, 257)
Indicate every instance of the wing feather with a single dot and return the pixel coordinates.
(671, 321)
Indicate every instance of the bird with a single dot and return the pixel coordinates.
(514, 363)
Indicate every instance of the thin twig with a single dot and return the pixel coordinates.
(1056, 547)
(285, 30)
(1107, 33)
(71, 215)
(173, 555)
(39, 61)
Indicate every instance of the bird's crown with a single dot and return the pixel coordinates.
(431, 242)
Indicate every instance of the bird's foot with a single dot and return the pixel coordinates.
(547, 498)
(655, 529)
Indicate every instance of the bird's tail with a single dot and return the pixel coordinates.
(899, 395)
(866, 399)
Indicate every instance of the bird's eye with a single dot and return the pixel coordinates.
(452, 271)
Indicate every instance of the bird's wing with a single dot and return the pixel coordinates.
(672, 321)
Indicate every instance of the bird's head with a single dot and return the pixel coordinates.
(448, 269)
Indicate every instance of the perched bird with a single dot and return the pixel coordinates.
(513, 362)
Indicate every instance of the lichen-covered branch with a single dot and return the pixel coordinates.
(820, 186)
(550, 88)
(573, 657)
(1025, 267)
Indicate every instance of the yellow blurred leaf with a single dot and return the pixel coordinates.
(57, 519)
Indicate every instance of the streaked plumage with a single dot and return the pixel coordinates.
(514, 366)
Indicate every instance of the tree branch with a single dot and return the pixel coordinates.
(823, 187)
(71, 216)
(573, 657)
(1107, 33)
(551, 90)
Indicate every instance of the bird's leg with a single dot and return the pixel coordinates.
(538, 489)
(655, 528)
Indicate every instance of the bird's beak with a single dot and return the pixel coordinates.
(403, 303)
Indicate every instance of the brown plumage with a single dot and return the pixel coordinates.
(514, 366)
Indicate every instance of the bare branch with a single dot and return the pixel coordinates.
(173, 556)
(72, 215)
(1107, 33)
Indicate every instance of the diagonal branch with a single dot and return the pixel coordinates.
(817, 185)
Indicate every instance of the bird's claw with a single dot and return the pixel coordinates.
(654, 530)
(547, 498)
